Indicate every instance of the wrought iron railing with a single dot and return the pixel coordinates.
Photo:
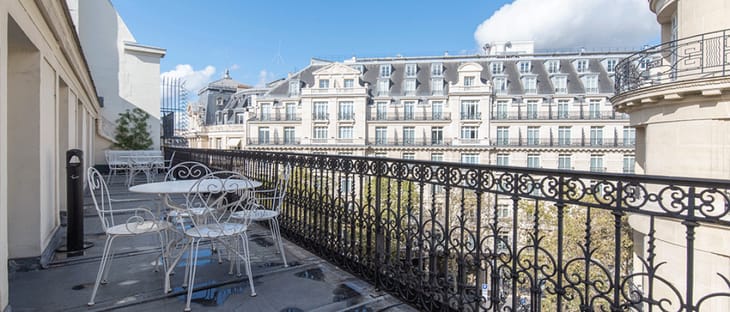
(435, 234)
(701, 56)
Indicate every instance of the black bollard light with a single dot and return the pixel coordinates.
(75, 203)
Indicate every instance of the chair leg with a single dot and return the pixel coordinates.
(195, 243)
(163, 244)
(247, 259)
(277, 239)
(105, 279)
(102, 265)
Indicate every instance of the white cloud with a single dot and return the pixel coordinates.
(264, 78)
(561, 24)
(235, 66)
(194, 79)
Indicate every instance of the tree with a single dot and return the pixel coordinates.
(132, 130)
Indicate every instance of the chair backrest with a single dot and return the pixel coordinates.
(187, 170)
(98, 188)
(282, 183)
(219, 194)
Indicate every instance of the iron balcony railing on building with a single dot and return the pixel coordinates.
(431, 232)
(563, 142)
(417, 116)
(701, 56)
(409, 142)
(273, 141)
(320, 116)
(471, 116)
(275, 117)
(588, 115)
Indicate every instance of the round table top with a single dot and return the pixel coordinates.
(184, 186)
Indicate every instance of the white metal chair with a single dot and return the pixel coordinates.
(188, 170)
(119, 222)
(165, 165)
(217, 194)
(268, 208)
(116, 165)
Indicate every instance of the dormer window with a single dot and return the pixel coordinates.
(500, 85)
(437, 69)
(324, 83)
(581, 66)
(410, 87)
(294, 87)
(610, 65)
(385, 71)
(239, 118)
(525, 67)
(411, 70)
(561, 84)
(219, 101)
(591, 83)
(383, 87)
(497, 68)
(530, 84)
(437, 86)
(469, 81)
(553, 67)
(349, 83)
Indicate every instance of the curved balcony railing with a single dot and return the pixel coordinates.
(702, 56)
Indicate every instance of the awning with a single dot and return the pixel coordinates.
(233, 142)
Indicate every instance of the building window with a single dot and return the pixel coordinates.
(530, 84)
(437, 157)
(409, 110)
(349, 83)
(409, 156)
(345, 132)
(596, 136)
(263, 135)
(218, 143)
(468, 81)
(411, 70)
(409, 87)
(469, 133)
(346, 111)
(381, 135)
(469, 158)
(501, 111)
(320, 111)
(381, 154)
(385, 71)
(289, 135)
(561, 84)
(469, 110)
(563, 108)
(437, 135)
(437, 69)
(503, 212)
(525, 67)
(502, 136)
(610, 65)
(383, 87)
(294, 87)
(591, 83)
(359, 67)
(533, 135)
(381, 110)
(597, 163)
(497, 68)
(266, 111)
(437, 86)
(320, 133)
(291, 111)
(533, 160)
(553, 67)
(629, 136)
(346, 185)
(239, 118)
(594, 109)
(502, 159)
(531, 109)
(629, 164)
(500, 85)
(564, 135)
(324, 83)
(409, 134)
(581, 66)
(564, 162)
(437, 110)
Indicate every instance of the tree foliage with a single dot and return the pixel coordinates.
(132, 130)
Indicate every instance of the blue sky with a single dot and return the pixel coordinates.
(264, 40)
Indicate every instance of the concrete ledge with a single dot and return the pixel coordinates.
(39, 262)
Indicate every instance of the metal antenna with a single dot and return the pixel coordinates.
(278, 59)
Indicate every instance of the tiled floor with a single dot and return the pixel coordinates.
(308, 284)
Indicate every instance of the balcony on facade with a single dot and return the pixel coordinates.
(406, 116)
(254, 141)
(275, 117)
(554, 115)
(564, 142)
(702, 57)
(562, 228)
(360, 91)
(471, 116)
(423, 141)
(320, 117)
